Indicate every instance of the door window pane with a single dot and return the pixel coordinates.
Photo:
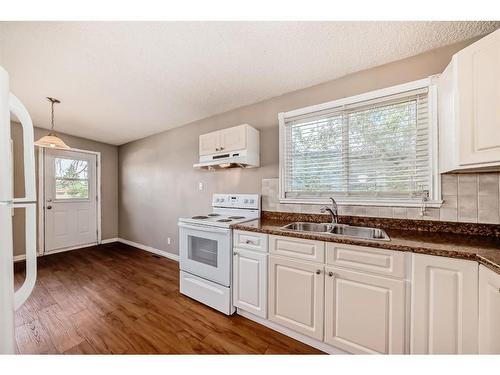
(71, 179)
(202, 250)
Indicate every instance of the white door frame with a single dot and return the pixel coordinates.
(41, 199)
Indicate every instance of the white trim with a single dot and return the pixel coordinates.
(409, 86)
(288, 332)
(18, 258)
(41, 199)
(71, 248)
(150, 249)
(435, 200)
(110, 240)
(362, 202)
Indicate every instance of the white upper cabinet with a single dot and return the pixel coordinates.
(469, 110)
(489, 311)
(209, 143)
(237, 138)
(233, 139)
(444, 304)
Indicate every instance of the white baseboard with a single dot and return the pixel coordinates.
(165, 254)
(110, 240)
(288, 332)
(150, 249)
(18, 258)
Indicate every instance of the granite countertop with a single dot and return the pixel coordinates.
(483, 249)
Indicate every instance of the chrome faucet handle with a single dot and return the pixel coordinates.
(334, 203)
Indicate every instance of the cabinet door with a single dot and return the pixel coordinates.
(444, 316)
(250, 281)
(233, 139)
(296, 295)
(489, 311)
(478, 74)
(209, 143)
(364, 313)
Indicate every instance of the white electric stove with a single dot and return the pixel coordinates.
(205, 249)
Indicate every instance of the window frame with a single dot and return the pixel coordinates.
(77, 199)
(434, 199)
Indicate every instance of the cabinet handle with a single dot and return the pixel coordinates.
(249, 242)
(216, 149)
(330, 274)
(235, 253)
(318, 272)
(222, 148)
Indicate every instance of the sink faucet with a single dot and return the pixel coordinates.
(333, 211)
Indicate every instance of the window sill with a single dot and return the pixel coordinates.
(363, 202)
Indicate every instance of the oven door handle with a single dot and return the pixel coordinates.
(204, 229)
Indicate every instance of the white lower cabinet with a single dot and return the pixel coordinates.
(296, 295)
(444, 312)
(250, 281)
(364, 313)
(489, 311)
(357, 301)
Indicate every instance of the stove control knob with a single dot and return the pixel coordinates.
(251, 201)
(245, 201)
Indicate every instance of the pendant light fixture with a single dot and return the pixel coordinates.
(52, 140)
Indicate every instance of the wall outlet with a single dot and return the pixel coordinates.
(168, 240)
(200, 186)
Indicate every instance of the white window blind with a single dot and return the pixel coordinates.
(373, 149)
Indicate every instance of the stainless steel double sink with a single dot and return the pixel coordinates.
(365, 233)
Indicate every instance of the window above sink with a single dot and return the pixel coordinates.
(376, 148)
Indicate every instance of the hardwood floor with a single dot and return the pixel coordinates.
(116, 299)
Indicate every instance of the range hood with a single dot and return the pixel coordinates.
(236, 147)
(238, 159)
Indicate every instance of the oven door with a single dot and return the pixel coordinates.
(206, 252)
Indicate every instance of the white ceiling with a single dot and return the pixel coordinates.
(121, 81)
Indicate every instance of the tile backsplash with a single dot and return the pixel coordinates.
(471, 198)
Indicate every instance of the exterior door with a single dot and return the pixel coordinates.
(364, 314)
(489, 311)
(70, 194)
(250, 281)
(444, 305)
(296, 295)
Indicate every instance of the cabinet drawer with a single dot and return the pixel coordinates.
(250, 240)
(379, 261)
(297, 248)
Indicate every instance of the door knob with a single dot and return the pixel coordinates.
(318, 272)
(49, 207)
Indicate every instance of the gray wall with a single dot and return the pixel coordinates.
(109, 182)
(157, 183)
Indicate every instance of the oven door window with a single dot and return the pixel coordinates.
(202, 250)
